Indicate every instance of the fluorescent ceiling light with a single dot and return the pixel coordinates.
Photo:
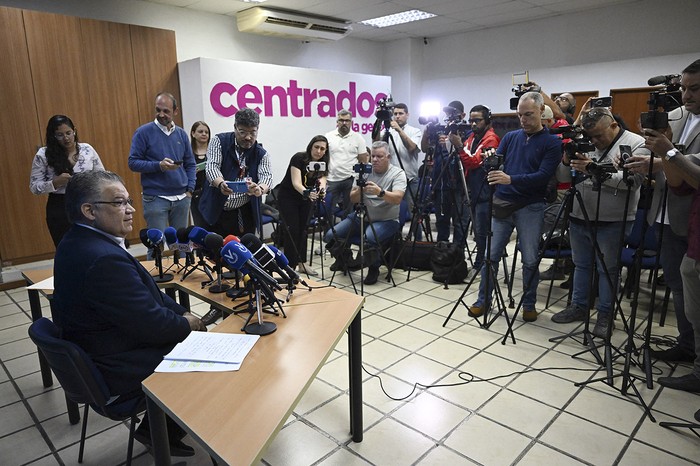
(253, 1)
(398, 18)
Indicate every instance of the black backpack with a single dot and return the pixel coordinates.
(448, 264)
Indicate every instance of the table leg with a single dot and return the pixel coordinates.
(159, 433)
(35, 308)
(184, 299)
(355, 361)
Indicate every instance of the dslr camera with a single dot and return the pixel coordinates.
(493, 162)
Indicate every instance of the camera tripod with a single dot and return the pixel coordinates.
(362, 215)
(489, 275)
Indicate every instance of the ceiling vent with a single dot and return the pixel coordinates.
(292, 25)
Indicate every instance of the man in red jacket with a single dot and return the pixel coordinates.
(482, 137)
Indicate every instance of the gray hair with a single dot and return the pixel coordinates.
(344, 112)
(536, 97)
(247, 117)
(381, 145)
(84, 188)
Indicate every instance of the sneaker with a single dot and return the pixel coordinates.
(571, 313)
(372, 276)
(177, 447)
(602, 326)
(212, 316)
(554, 272)
(476, 310)
(529, 315)
(567, 284)
(305, 269)
(675, 353)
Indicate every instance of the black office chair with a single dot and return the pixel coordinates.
(81, 380)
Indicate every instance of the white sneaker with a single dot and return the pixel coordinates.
(305, 269)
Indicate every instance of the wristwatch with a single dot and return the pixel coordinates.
(670, 154)
(381, 193)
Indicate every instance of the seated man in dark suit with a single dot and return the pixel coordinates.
(106, 302)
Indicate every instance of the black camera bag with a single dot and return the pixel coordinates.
(448, 264)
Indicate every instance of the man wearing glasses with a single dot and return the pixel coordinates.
(567, 104)
(482, 137)
(106, 302)
(346, 148)
(162, 153)
(234, 208)
(607, 223)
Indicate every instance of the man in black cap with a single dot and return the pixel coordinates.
(448, 190)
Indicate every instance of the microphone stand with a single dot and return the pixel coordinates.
(218, 287)
(162, 277)
(201, 265)
(260, 327)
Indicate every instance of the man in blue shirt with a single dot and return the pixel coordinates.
(530, 158)
(162, 153)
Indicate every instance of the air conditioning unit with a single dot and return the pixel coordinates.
(292, 25)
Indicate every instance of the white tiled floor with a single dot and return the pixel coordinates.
(528, 413)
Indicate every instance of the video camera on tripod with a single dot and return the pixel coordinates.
(492, 161)
(385, 110)
(666, 98)
(453, 123)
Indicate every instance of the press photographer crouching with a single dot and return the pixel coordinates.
(382, 191)
(596, 176)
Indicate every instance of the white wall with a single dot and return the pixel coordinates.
(615, 47)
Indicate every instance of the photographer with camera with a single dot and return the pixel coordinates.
(407, 140)
(448, 192)
(529, 158)
(677, 151)
(603, 186)
(382, 189)
(304, 183)
(482, 137)
(346, 148)
(236, 160)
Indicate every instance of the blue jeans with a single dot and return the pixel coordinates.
(582, 251)
(161, 213)
(350, 227)
(673, 248)
(528, 223)
(340, 192)
(480, 224)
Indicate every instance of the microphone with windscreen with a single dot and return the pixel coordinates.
(283, 262)
(213, 243)
(263, 254)
(240, 258)
(155, 238)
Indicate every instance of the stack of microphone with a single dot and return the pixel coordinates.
(248, 255)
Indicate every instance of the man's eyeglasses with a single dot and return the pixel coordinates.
(121, 204)
(475, 120)
(246, 134)
(66, 135)
(565, 99)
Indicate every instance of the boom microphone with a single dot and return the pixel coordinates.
(663, 79)
(263, 254)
